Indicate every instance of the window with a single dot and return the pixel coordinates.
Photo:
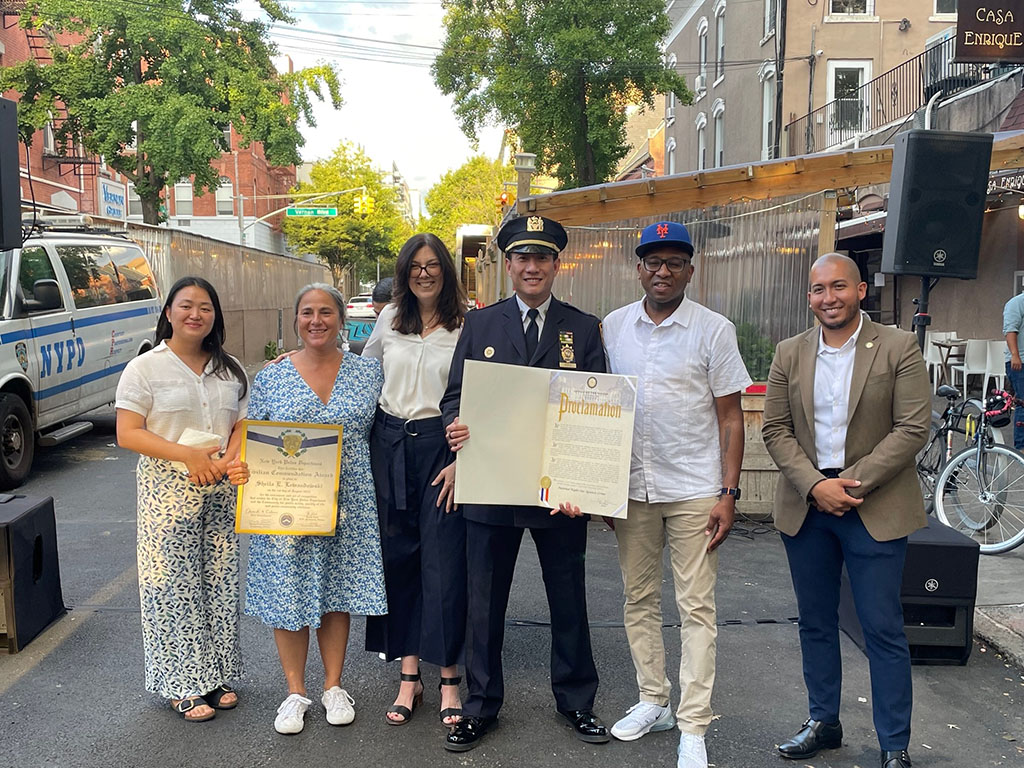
(849, 113)
(771, 12)
(35, 265)
(227, 137)
(49, 138)
(768, 98)
(947, 7)
(225, 197)
(134, 202)
(718, 111)
(702, 53)
(134, 274)
(94, 281)
(670, 156)
(702, 142)
(862, 7)
(720, 41)
(183, 198)
(670, 97)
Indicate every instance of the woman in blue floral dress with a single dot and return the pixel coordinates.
(298, 582)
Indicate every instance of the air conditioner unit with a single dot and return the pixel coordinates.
(700, 83)
(670, 113)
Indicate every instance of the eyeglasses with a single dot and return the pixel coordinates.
(432, 268)
(675, 266)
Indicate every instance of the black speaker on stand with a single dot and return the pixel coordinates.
(936, 205)
(10, 180)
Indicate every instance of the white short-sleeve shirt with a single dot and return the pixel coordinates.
(172, 397)
(681, 366)
(415, 369)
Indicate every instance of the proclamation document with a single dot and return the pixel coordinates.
(294, 471)
(539, 437)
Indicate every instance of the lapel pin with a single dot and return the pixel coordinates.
(488, 352)
(870, 344)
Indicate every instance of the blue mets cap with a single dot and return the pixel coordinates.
(664, 233)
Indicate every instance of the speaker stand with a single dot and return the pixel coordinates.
(921, 318)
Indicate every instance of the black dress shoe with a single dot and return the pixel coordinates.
(467, 733)
(813, 737)
(895, 759)
(586, 725)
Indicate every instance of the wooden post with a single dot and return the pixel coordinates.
(827, 223)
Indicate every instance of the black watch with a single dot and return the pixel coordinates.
(734, 492)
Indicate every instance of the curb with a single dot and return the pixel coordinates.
(1001, 637)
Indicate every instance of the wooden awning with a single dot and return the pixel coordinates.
(756, 181)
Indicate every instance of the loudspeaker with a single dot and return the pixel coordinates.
(30, 596)
(10, 181)
(936, 203)
(940, 583)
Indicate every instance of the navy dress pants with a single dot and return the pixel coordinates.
(816, 556)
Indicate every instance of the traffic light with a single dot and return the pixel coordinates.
(367, 204)
(503, 201)
(357, 205)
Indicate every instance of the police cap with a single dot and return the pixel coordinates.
(531, 234)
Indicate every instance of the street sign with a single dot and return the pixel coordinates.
(311, 211)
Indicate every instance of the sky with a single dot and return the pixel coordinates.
(392, 108)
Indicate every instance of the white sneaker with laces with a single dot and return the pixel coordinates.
(642, 718)
(339, 706)
(692, 753)
(291, 713)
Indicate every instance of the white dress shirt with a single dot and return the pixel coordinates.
(159, 386)
(542, 310)
(681, 366)
(415, 369)
(833, 372)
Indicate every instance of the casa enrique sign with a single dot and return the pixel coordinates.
(990, 31)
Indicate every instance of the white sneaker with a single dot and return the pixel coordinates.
(643, 717)
(290, 714)
(339, 706)
(692, 753)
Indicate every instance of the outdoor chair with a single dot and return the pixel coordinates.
(975, 362)
(995, 367)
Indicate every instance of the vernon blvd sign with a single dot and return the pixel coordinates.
(311, 211)
(990, 31)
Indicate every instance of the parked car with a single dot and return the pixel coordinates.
(76, 307)
(360, 306)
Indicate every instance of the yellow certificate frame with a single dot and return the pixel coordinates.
(294, 478)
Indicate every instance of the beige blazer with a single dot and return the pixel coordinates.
(889, 419)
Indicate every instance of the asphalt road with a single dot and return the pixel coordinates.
(75, 697)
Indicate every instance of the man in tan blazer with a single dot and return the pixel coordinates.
(846, 411)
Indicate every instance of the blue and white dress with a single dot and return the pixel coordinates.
(294, 580)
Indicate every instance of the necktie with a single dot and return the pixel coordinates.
(531, 334)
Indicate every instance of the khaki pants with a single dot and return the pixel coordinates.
(642, 538)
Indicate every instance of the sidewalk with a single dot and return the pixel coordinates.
(999, 613)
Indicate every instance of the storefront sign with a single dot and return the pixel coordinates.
(112, 199)
(990, 31)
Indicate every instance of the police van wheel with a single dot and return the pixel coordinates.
(17, 441)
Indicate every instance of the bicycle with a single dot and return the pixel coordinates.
(980, 490)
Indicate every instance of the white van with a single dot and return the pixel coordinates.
(77, 306)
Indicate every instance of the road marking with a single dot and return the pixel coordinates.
(57, 634)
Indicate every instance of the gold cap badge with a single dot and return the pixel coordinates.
(535, 224)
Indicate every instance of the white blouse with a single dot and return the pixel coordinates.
(159, 386)
(415, 369)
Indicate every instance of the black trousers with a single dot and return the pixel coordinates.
(424, 548)
(491, 554)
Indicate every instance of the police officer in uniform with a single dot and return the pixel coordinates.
(536, 329)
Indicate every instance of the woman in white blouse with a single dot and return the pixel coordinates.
(187, 547)
(423, 535)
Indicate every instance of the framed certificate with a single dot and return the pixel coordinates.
(294, 475)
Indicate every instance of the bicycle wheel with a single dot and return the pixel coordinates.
(929, 465)
(981, 494)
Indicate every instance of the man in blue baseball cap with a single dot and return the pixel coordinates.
(683, 483)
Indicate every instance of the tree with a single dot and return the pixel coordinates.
(467, 195)
(559, 73)
(350, 241)
(152, 86)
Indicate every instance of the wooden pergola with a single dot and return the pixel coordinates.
(806, 174)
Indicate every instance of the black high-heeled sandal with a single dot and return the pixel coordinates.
(450, 711)
(405, 712)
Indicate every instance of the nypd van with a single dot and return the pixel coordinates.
(77, 306)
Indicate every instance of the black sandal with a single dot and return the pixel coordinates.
(214, 697)
(187, 705)
(450, 711)
(405, 712)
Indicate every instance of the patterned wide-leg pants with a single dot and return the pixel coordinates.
(188, 581)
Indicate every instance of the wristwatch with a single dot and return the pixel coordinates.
(734, 492)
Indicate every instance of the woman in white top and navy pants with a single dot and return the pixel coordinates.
(187, 547)
(423, 536)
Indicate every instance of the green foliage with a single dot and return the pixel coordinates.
(756, 350)
(466, 195)
(271, 351)
(152, 86)
(350, 240)
(559, 73)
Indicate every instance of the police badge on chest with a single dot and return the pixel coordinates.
(566, 351)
